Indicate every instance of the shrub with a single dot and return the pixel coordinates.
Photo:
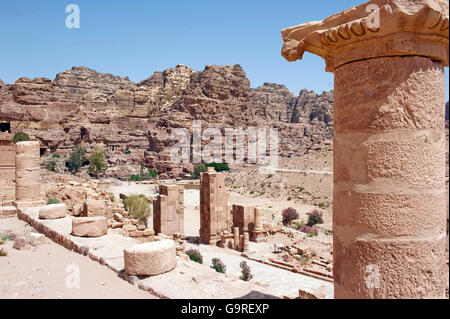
(56, 155)
(152, 173)
(195, 255)
(199, 168)
(218, 167)
(4, 237)
(112, 198)
(289, 214)
(51, 201)
(20, 137)
(316, 217)
(97, 163)
(135, 178)
(127, 152)
(76, 159)
(246, 272)
(138, 206)
(310, 230)
(299, 225)
(3, 253)
(218, 265)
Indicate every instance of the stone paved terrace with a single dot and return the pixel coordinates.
(189, 280)
(278, 281)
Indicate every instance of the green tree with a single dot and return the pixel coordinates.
(97, 163)
(199, 168)
(76, 159)
(20, 137)
(218, 167)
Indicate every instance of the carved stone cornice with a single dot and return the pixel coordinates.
(375, 29)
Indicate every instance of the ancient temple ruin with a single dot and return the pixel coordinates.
(388, 59)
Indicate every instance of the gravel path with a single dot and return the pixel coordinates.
(43, 272)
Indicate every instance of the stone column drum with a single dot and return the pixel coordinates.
(389, 218)
(28, 190)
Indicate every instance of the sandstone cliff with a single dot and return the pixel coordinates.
(83, 106)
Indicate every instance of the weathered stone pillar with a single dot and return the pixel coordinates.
(214, 209)
(28, 189)
(258, 230)
(236, 237)
(389, 143)
(168, 210)
(7, 170)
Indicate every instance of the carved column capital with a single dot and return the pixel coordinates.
(378, 28)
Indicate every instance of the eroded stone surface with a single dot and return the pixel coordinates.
(89, 226)
(150, 259)
(53, 211)
(403, 29)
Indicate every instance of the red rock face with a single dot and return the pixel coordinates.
(83, 106)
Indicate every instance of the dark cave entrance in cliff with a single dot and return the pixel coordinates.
(43, 151)
(5, 127)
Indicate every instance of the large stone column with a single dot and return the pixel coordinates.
(28, 189)
(389, 213)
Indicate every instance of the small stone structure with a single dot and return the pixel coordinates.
(28, 187)
(258, 224)
(150, 259)
(93, 207)
(168, 210)
(53, 211)
(388, 58)
(89, 226)
(19, 173)
(243, 218)
(7, 170)
(214, 208)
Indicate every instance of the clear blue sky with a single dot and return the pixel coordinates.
(134, 38)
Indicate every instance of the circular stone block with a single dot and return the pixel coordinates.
(89, 226)
(150, 259)
(53, 211)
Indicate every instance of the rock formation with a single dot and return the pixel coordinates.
(82, 106)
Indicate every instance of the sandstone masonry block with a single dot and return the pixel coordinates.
(53, 211)
(150, 259)
(89, 226)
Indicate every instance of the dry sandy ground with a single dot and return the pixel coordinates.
(43, 272)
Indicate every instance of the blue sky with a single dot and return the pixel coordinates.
(134, 38)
